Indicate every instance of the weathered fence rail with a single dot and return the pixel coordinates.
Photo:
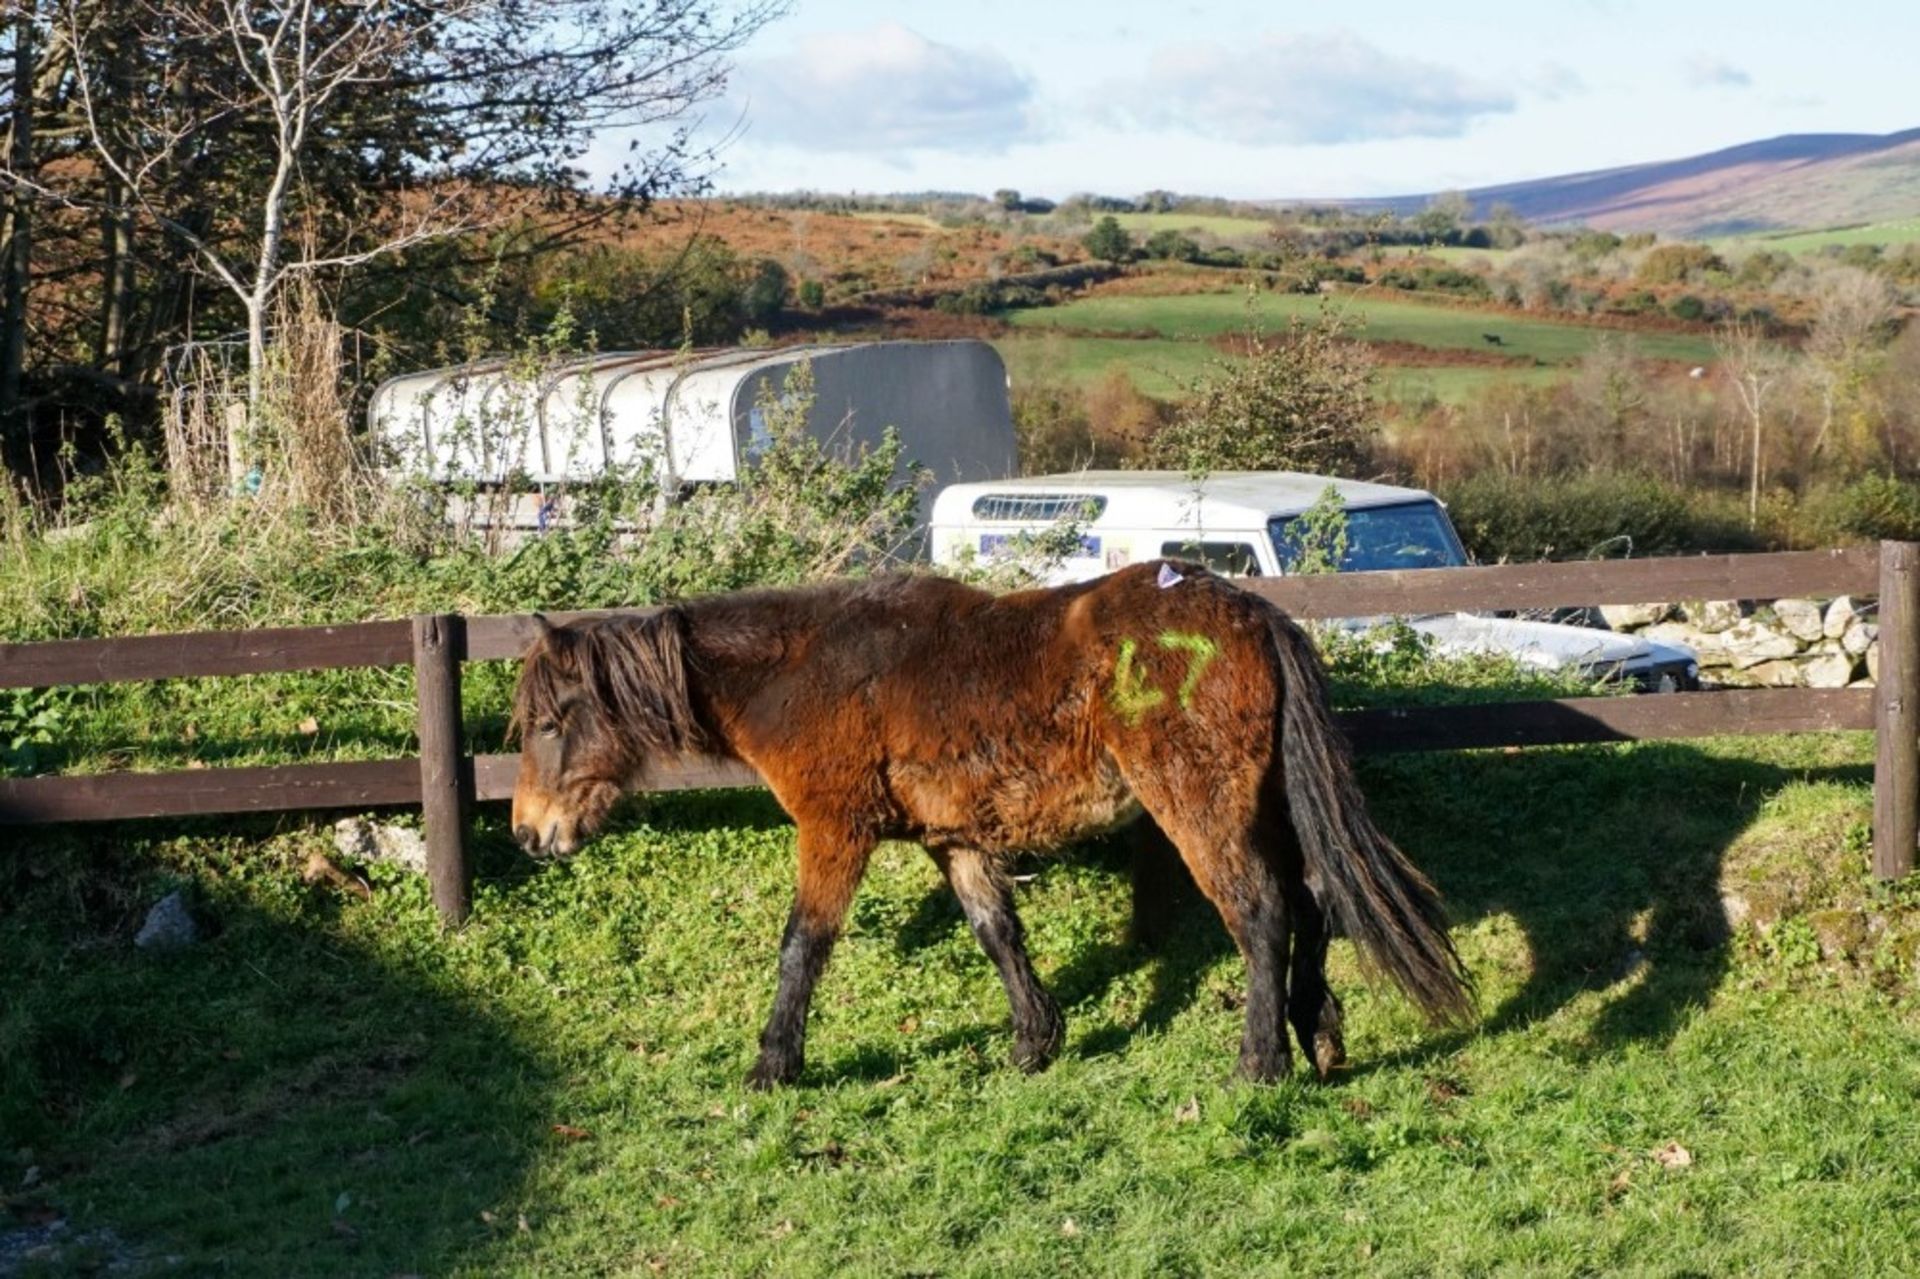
(445, 782)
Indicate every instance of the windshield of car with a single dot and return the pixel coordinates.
(1410, 535)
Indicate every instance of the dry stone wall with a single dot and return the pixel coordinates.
(1790, 643)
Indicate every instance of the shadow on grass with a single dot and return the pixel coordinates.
(284, 1096)
(1607, 861)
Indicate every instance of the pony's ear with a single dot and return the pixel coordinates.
(546, 628)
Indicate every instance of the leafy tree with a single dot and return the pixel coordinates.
(1440, 221)
(1109, 240)
(765, 295)
(1301, 400)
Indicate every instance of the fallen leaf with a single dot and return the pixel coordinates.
(521, 1221)
(1188, 1113)
(1358, 1107)
(909, 1025)
(1068, 1229)
(309, 726)
(1621, 1183)
(782, 1230)
(486, 1216)
(571, 1133)
(1442, 1091)
(190, 732)
(892, 1081)
(1674, 1155)
(196, 763)
(666, 1201)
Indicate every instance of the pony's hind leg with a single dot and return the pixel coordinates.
(987, 898)
(1217, 842)
(1311, 1006)
(831, 865)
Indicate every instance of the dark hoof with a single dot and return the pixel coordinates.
(1034, 1052)
(768, 1073)
(1329, 1054)
(1265, 1069)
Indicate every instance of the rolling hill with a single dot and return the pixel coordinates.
(1798, 180)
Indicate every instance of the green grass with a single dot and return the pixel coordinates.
(1203, 315)
(1221, 225)
(1160, 367)
(327, 1085)
(1890, 234)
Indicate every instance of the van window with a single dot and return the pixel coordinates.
(1038, 508)
(1409, 535)
(1229, 559)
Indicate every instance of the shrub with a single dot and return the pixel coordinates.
(1509, 518)
(1108, 240)
(1869, 509)
(1687, 307)
(813, 294)
(1301, 401)
(1678, 263)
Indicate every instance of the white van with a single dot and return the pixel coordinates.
(1237, 523)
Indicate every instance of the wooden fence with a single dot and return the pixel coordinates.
(444, 782)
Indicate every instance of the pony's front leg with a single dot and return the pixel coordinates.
(987, 898)
(831, 864)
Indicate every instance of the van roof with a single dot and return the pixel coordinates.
(1163, 499)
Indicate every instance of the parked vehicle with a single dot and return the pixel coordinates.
(1243, 524)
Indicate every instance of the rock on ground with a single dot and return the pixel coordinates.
(169, 925)
(365, 840)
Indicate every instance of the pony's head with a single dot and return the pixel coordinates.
(598, 701)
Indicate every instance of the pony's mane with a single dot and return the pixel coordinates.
(634, 668)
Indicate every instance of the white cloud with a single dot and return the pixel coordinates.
(1556, 80)
(1707, 72)
(1317, 89)
(885, 90)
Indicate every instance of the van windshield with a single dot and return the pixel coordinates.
(1410, 535)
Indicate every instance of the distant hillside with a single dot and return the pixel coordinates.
(1800, 180)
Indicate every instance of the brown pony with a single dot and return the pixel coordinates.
(982, 726)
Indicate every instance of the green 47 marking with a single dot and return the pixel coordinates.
(1133, 697)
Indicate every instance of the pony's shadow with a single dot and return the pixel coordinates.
(1607, 865)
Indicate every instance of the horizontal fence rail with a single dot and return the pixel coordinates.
(444, 780)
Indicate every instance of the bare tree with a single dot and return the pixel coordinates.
(1754, 367)
(274, 139)
(1852, 319)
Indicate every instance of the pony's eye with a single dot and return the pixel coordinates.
(549, 728)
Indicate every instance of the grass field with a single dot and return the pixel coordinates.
(1227, 228)
(1890, 234)
(327, 1085)
(1205, 315)
(1073, 341)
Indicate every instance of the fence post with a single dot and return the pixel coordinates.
(1896, 713)
(439, 641)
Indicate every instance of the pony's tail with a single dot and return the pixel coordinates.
(1366, 886)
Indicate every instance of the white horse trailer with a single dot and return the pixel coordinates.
(688, 419)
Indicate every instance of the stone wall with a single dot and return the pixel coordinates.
(1791, 643)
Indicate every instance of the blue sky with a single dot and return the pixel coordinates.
(1288, 100)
